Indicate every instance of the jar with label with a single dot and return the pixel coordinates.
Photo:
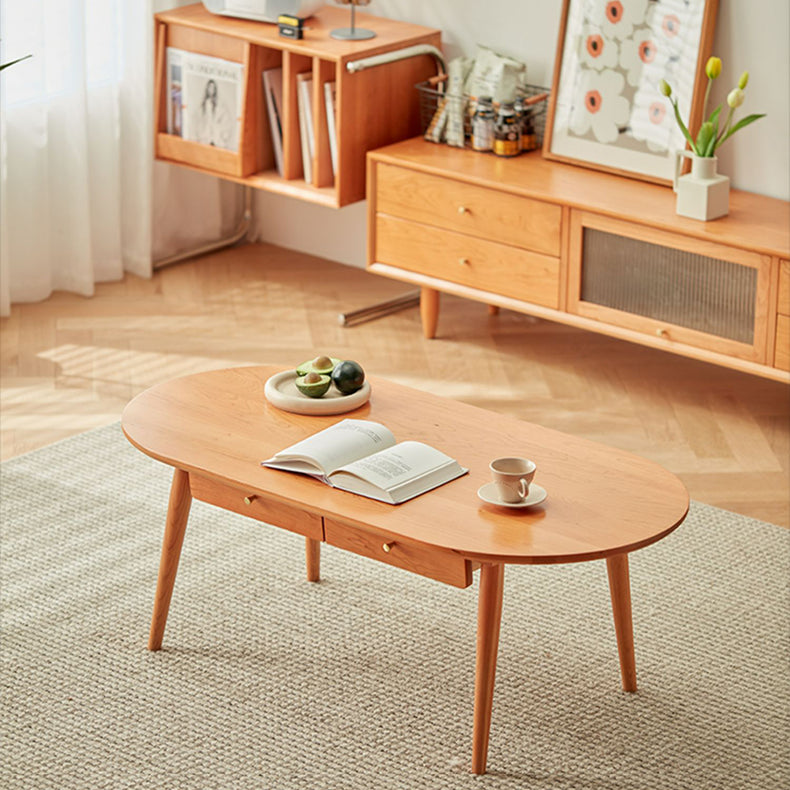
(529, 138)
(483, 124)
(507, 135)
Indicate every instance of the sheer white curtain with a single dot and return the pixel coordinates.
(76, 137)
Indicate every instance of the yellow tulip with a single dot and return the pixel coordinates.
(665, 88)
(742, 82)
(713, 68)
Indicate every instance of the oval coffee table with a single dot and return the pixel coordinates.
(215, 428)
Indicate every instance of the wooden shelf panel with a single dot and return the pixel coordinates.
(390, 34)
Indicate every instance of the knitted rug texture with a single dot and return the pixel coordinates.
(365, 680)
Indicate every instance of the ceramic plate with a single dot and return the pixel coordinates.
(488, 493)
(280, 390)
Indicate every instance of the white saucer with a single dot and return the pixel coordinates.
(280, 390)
(488, 493)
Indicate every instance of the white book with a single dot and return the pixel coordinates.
(330, 99)
(212, 99)
(363, 457)
(305, 94)
(273, 90)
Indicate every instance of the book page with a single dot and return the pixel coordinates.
(342, 443)
(394, 466)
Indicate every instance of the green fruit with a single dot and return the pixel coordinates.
(314, 385)
(348, 376)
(322, 365)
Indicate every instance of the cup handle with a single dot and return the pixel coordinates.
(522, 488)
(679, 156)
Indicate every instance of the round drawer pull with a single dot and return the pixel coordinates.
(463, 261)
(663, 333)
(463, 210)
(387, 547)
(248, 500)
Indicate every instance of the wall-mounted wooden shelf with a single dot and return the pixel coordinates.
(374, 107)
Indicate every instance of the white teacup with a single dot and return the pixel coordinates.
(512, 477)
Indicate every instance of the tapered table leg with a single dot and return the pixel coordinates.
(313, 555)
(429, 311)
(489, 617)
(175, 526)
(620, 591)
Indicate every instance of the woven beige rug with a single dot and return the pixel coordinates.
(365, 680)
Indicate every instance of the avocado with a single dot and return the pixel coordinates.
(314, 385)
(322, 365)
(348, 376)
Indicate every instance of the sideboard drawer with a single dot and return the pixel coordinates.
(435, 563)
(229, 498)
(782, 351)
(466, 208)
(783, 305)
(485, 265)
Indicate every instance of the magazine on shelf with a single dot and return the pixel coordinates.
(175, 94)
(212, 100)
(304, 84)
(330, 100)
(363, 457)
(273, 91)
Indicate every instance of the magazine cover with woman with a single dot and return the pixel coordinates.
(204, 98)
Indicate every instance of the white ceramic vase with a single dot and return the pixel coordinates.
(702, 193)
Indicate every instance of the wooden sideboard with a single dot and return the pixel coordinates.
(598, 251)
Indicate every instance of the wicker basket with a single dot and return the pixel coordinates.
(432, 95)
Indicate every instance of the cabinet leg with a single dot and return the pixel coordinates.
(175, 527)
(489, 617)
(313, 555)
(620, 592)
(429, 311)
(493, 309)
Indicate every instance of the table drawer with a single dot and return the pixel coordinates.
(465, 260)
(466, 208)
(435, 563)
(230, 498)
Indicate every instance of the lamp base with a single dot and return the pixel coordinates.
(352, 34)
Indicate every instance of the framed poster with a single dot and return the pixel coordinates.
(606, 110)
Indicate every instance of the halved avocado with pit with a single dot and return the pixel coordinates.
(314, 385)
(322, 365)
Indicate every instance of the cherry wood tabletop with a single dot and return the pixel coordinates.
(601, 501)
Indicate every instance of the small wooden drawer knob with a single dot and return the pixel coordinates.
(387, 547)
(248, 500)
(463, 261)
(463, 210)
(662, 333)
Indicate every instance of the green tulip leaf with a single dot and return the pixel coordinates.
(743, 122)
(683, 127)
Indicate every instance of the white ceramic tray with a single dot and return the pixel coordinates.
(280, 390)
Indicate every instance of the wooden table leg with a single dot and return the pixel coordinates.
(175, 526)
(429, 311)
(313, 552)
(620, 591)
(489, 617)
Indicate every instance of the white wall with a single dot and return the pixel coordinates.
(749, 35)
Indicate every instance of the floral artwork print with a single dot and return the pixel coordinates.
(609, 109)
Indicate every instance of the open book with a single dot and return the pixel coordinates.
(362, 457)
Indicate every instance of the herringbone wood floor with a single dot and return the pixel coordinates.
(70, 364)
